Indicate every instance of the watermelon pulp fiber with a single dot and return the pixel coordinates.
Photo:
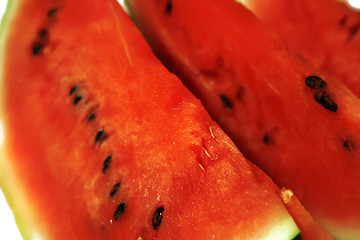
(324, 31)
(299, 125)
(102, 142)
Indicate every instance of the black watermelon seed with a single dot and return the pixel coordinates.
(36, 48)
(43, 33)
(225, 101)
(353, 30)
(119, 211)
(267, 139)
(115, 189)
(240, 92)
(77, 99)
(325, 100)
(92, 116)
(315, 82)
(297, 237)
(107, 163)
(348, 144)
(343, 20)
(73, 90)
(168, 8)
(100, 136)
(52, 11)
(156, 221)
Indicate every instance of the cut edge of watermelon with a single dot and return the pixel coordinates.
(20, 206)
(17, 200)
(25, 219)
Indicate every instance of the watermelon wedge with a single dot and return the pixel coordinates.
(102, 142)
(297, 124)
(327, 32)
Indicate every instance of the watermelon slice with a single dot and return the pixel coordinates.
(327, 32)
(297, 124)
(102, 142)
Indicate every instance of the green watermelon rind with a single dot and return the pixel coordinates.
(21, 208)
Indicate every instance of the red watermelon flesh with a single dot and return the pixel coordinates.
(327, 32)
(102, 142)
(297, 124)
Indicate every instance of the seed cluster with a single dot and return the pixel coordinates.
(43, 35)
(100, 136)
(73, 92)
(321, 94)
(77, 93)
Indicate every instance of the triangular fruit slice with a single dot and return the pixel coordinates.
(298, 125)
(102, 142)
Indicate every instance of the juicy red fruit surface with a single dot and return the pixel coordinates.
(305, 137)
(107, 144)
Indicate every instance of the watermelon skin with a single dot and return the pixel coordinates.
(102, 142)
(256, 89)
(324, 31)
